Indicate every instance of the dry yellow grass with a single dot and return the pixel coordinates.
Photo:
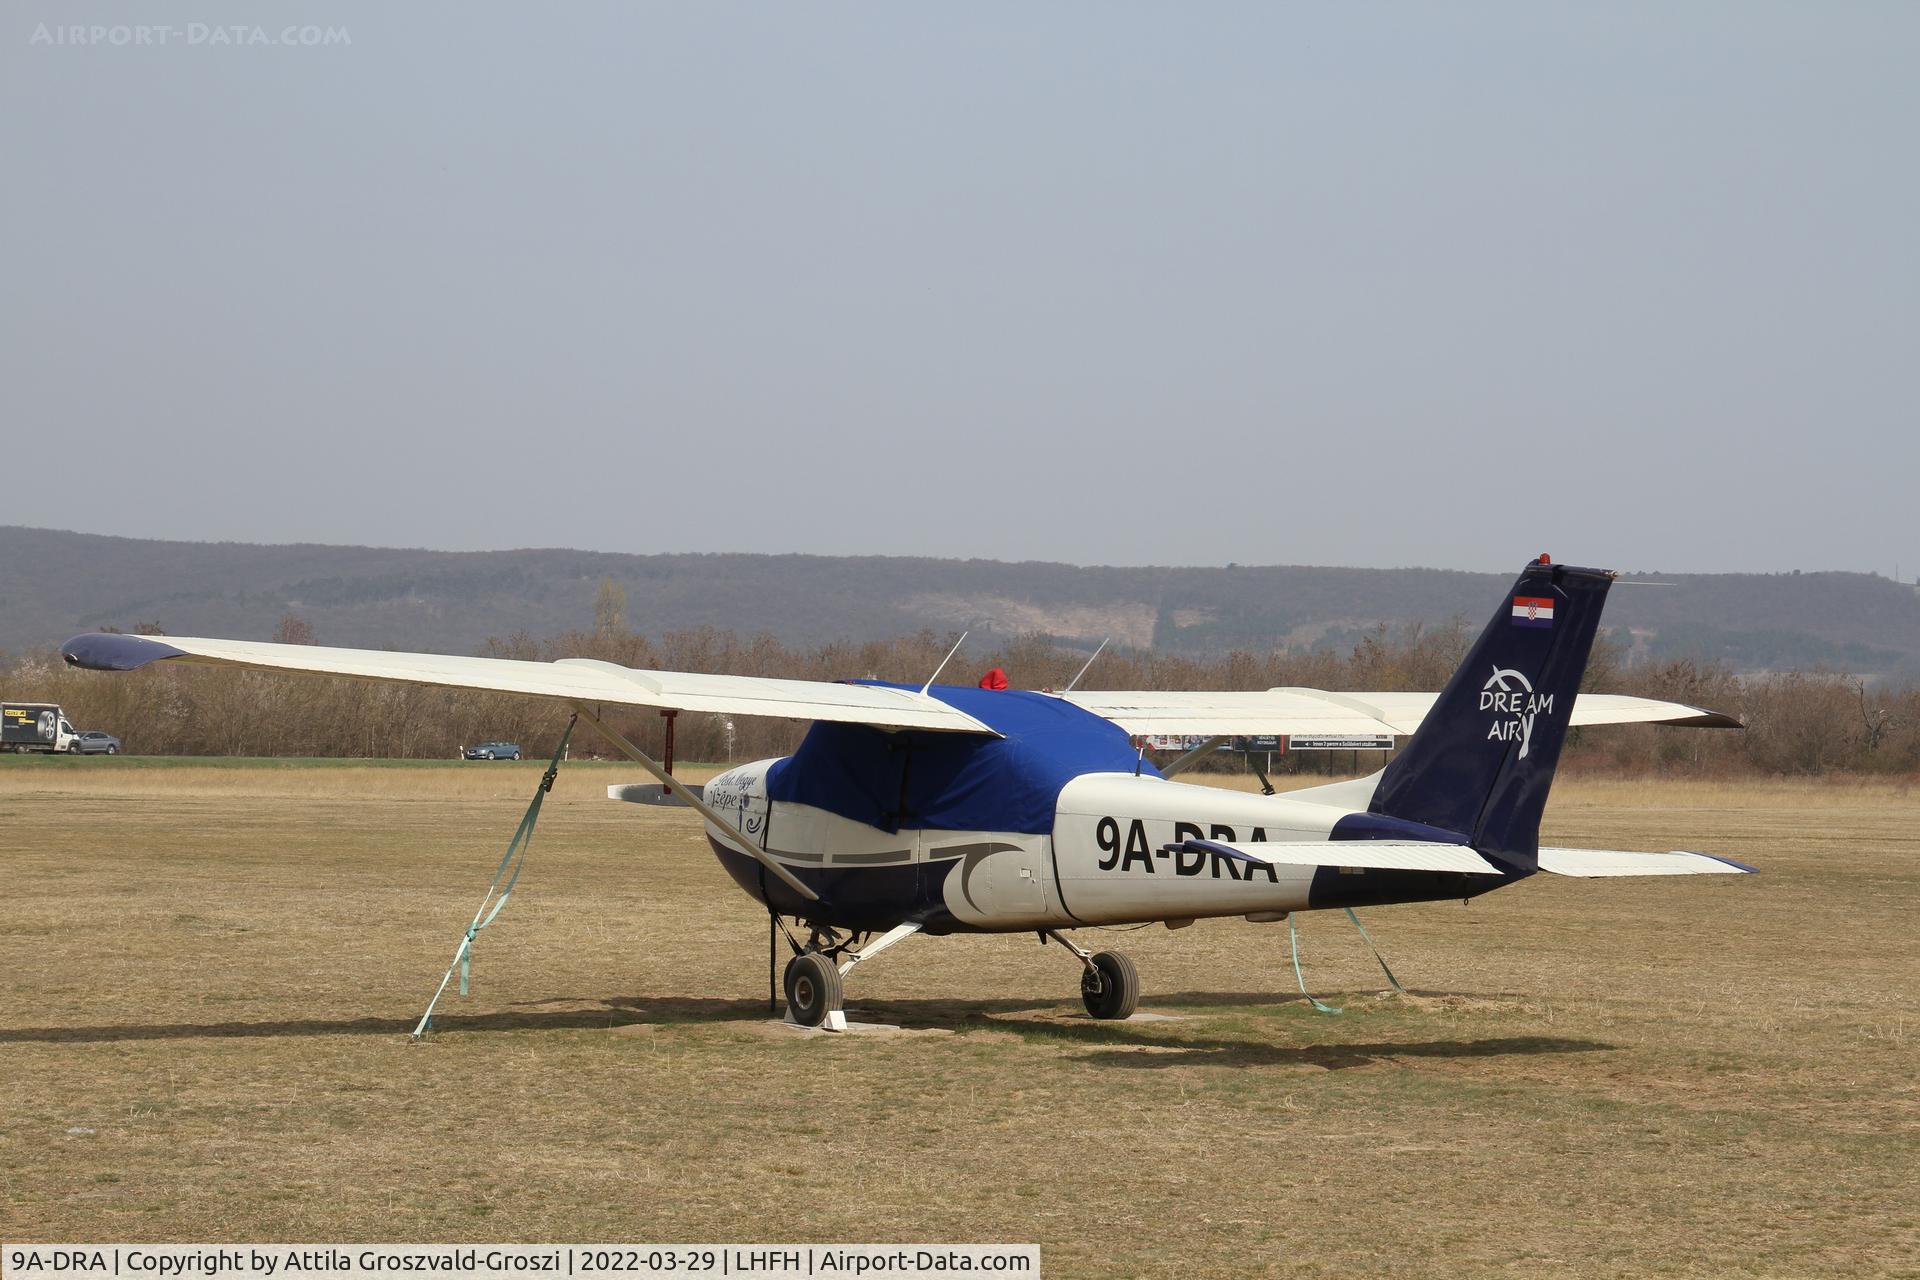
(209, 974)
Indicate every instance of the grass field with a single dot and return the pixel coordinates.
(209, 973)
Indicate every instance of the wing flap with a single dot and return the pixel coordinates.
(569, 680)
(1616, 862)
(1384, 855)
(1301, 711)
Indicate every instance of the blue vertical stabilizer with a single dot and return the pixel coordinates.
(1482, 761)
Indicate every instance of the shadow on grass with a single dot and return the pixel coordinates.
(1109, 1043)
(1119, 1045)
(1230, 999)
(615, 1012)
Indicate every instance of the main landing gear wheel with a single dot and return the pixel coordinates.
(813, 988)
(1110, 988)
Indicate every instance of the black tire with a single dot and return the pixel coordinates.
(813, 988)
(514, 756)
(73, 748)
(1111, 989)
(112, 750)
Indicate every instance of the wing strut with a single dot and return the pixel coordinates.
(1083, 666)
(698, 803)
(502, 887)
(1194, 756)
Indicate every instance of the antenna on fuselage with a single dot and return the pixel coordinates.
(1089, 662)
(944, 661)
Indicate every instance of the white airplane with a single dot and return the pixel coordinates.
(946, 809)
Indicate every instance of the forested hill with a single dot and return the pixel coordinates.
(54, 584)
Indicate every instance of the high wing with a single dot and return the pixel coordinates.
(1289, 711)
(1317, 711)
(572, 680)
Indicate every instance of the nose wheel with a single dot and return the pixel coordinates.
(813, 988)
(815, 972)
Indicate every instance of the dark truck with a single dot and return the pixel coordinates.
(36, 726)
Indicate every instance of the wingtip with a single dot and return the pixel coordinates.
(112, 651)
(1705, 719)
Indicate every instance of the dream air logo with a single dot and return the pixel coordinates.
(1510, 697)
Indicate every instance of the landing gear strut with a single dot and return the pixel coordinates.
(1109, 987)
(813, 975)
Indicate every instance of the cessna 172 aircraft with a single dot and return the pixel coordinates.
(945, 810)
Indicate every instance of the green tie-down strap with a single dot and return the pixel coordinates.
(498, 892)
(1293, 939)
(1376, 951)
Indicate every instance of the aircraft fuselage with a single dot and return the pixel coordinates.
(1110, 858)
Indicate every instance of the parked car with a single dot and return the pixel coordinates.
(95, 743)
(493, 751)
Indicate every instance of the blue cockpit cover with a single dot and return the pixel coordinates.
(956, 781)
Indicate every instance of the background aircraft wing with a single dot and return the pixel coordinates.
(1318, 711)
(568, 680)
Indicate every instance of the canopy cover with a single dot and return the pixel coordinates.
(956, 782)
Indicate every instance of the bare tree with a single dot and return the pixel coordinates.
(610, 609)
(293, 629)
(1877, 720)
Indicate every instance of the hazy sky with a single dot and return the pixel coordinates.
(1111, 283)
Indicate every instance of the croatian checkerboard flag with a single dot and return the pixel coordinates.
(1533, 611)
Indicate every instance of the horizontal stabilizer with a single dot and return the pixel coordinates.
(1614, 862)
(1384, 855)
(651, 792)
